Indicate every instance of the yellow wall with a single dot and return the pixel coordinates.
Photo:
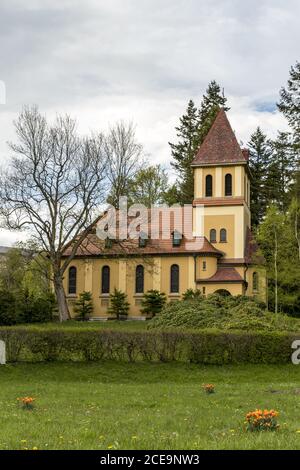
(211, 267)
(261, 293)
(218, 173)
(233, 289)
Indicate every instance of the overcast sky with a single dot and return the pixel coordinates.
(142, 60)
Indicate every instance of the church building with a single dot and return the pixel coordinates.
(221, 257)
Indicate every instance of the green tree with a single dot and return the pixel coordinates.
(171, 195)
(24, 270)
(153, 302)
(281, 171)
(193, 128)
(212, 101)
(84, 306)
(279, 246)
(148, 186)
(7, 308)
(259, 160)
(289, 103)
(119, 306)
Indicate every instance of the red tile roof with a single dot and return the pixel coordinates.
(224, 274)
(94, 246)
(220, 145)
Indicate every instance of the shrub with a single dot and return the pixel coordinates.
(7, 308)
(191, 294)
(203, 347)
(153, 302)
(118, 304)
(223, 313)
(31, 309)
(84, 306)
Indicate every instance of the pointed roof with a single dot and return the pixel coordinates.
(220, 145)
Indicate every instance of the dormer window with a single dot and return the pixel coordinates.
(143, 238)
(108, 242)
(177, 237)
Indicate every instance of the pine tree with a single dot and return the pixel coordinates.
(289, 103)
(212, 101)
(281, 171)
(84, 306)
(153, 302)
(184, 151)
(118, 304)
(193, 128)
(259, 159)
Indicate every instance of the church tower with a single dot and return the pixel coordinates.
(222, 190)
(221, 206)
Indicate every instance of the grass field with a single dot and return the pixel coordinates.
(146, 406)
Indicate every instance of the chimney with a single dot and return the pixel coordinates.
(245, 152)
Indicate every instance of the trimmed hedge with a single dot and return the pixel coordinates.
(205, 347)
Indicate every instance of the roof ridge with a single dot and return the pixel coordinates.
(220, 145)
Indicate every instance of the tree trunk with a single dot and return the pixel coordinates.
(276, 271)
(63, 309)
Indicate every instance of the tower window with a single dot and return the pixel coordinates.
(72, 280)
(213, 236)
(174, 279)
(255, 281)
(139, 279)
(228, 185)
(105, 281)
(204, 265)
(223, 235)
(208, 186)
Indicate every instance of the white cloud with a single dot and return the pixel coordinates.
(142, 60)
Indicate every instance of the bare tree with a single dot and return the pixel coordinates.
(54, 183)
(124, 158)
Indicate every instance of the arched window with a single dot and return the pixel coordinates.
(105, 280)
(223, 235)
(213, 236)
(72, 280)
(208, 186)
(139, 279)
(255, 281)
(228, 185)
(174, 279)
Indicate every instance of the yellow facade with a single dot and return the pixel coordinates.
(222, 220)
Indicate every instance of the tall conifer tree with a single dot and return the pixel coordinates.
(259, 159)
(193, 128)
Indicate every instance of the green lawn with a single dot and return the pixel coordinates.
(146, 406)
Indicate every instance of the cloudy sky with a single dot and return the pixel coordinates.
(142, 60)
